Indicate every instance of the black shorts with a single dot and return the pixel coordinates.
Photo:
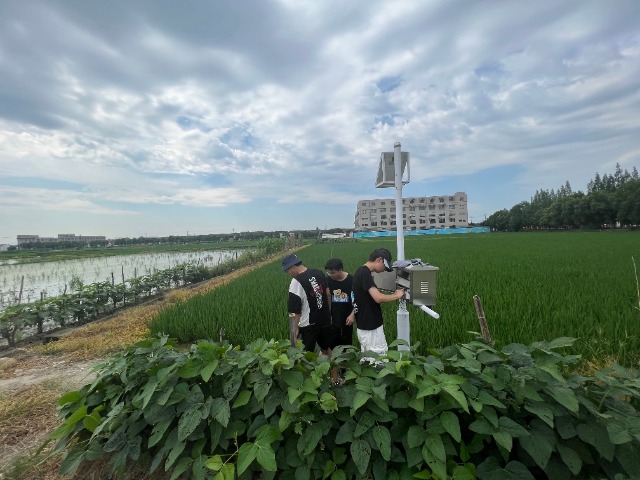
(345, 335)
(328, 337)
(309, 336)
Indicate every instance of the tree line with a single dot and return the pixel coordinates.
(611, 201)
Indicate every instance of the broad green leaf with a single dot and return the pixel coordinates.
(294, 393)
(158, 432)
(117, 441)
(71, 462)
(360, 453)
(190, 369)
(561, 342)
(618, 433)
(457, 395)
(463, 472)
(228, 472)
(365, 422)
(345, 432)
(242, 399)
(487, 399)
(339, 455)
(565, 427)
(597, 436)
(309, 439)
(416, 436)
(261, 388)
(69, 424)
(359, 400)
(417, 404)
(208, 369)
(425, 474)
(188, 422)
(181, 467)
(266, 456)
(214, 463)
(512, 428)
(490, 469)
(174, 454)
(451, 424)
(543, 412)
(284, 421)
(570, 458)
(268, 434)
(69, 397)
(382, 439)
(232, 385)
(481, 425)
(221, 411)
(538, 447)
(503, 439)
(328, 403)
(435, 445)
(329, 468)
(433, 453)
(147, 392)
(564, 396)
(92, 421)
(339, 475)
(246, 454)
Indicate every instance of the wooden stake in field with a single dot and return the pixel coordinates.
(292, 330)
(484, 327)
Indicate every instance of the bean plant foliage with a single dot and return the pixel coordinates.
(269, 410)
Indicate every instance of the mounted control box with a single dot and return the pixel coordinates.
(419, 282)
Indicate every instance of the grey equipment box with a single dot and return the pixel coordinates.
(419, 283)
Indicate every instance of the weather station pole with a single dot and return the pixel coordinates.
(391, 171)
(402, 316)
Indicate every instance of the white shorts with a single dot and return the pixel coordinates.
(373, 341)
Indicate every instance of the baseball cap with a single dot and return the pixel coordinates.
(386, 265)
(289, 261)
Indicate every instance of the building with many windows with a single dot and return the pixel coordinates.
(62, 237)
(443, 211)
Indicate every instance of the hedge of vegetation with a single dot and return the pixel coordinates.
(270, 411)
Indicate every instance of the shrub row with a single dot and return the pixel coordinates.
(269, 410)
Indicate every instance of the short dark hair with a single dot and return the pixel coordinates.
(334, 264)
(380, 252)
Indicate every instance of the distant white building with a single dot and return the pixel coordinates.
(4, 247)
(440, 211)
(62, 237)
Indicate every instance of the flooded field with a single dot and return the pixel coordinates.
(27, 282)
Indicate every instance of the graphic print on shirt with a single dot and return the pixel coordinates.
(317, 291)
(338, 296)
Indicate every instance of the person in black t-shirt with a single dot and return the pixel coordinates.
(340, 290)
(308, 303)
(367, 299)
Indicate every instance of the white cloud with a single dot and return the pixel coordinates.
(281, 103)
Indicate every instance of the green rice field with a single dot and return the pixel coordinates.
(533, 286)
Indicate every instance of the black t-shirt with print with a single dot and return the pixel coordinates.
(341, 299)
(368, 311)
(307, 297)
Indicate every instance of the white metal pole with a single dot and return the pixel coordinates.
(397, 162)
(402, 318)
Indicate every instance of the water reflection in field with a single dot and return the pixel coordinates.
(51, 278)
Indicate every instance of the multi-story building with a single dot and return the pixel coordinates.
(440, 211)
(62, 237)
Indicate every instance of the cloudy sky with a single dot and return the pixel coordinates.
(164, 117)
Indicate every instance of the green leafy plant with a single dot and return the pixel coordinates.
(463, 412)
